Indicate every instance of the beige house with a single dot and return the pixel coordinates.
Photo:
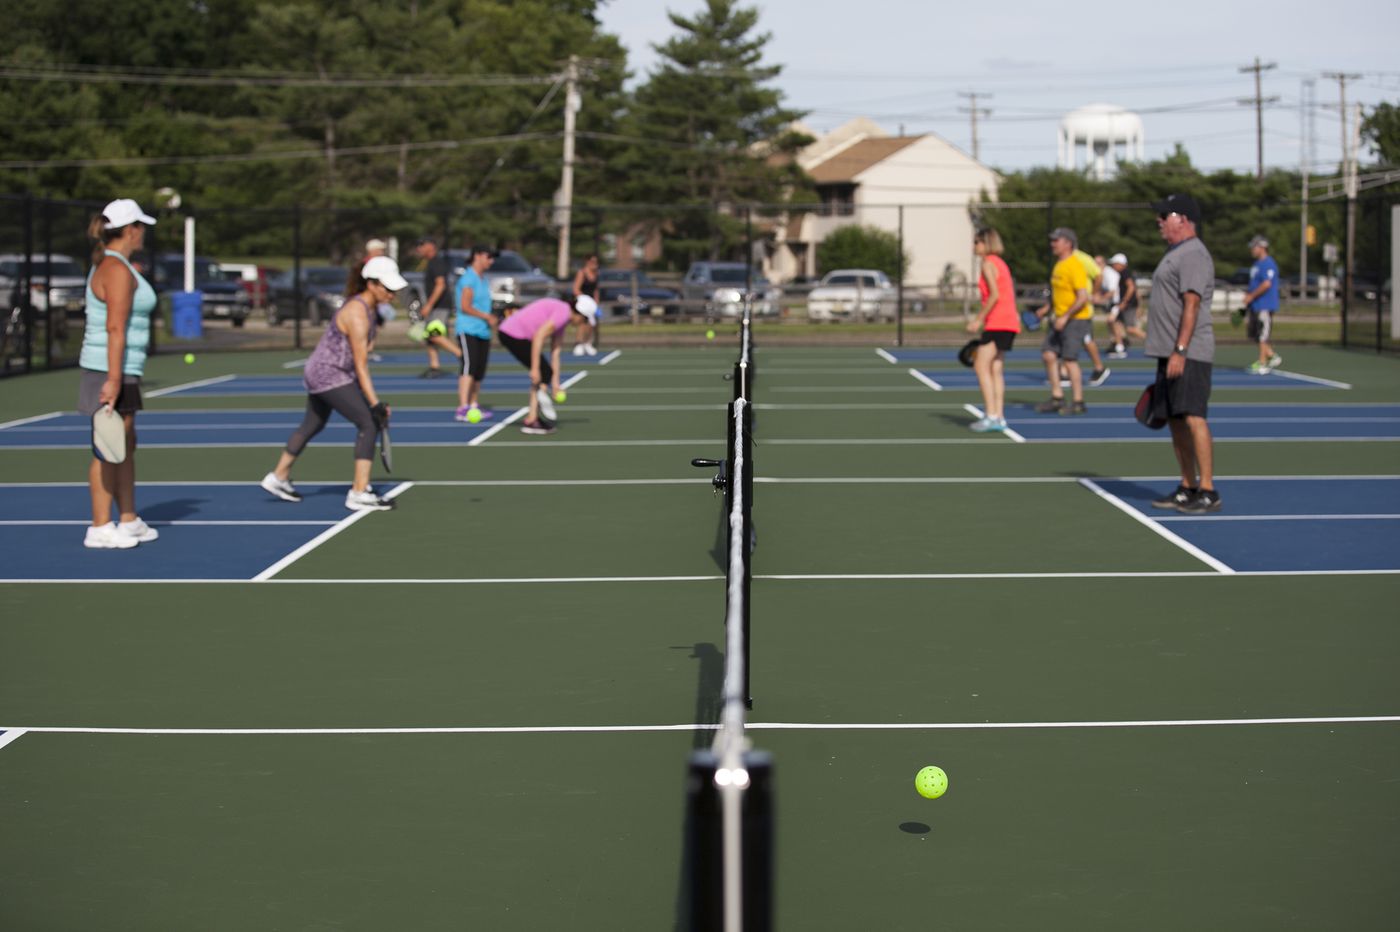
(863, 176)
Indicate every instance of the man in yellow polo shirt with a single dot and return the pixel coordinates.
(1072, 312)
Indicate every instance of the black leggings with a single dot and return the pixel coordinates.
(350, 403)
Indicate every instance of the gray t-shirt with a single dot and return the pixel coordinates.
(1187, 266)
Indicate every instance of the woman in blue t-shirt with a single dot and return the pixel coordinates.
(113, 359)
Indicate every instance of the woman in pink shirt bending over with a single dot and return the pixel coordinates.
(525, 333)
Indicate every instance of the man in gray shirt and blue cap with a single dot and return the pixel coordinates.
(1180, 337)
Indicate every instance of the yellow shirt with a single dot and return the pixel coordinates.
(1068, 278)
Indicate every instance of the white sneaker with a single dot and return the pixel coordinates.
(367, 501)
(546, 404)
(107, 537)
(138, 529)
(590, 349)
(580, 350)
(282, 488)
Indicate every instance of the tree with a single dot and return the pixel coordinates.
(1381, 130)
(862, 247)
(716, 135)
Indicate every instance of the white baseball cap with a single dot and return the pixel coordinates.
(384, 270)
(1118, 259)
(586, 306)
(124, 212)
(377, 244)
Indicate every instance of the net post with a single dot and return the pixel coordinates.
(745, 480)
(704, 844)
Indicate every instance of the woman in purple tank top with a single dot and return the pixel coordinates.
(337, 379)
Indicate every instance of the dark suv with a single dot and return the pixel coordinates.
(222, 298)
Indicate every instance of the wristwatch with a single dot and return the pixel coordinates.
(1180, 348)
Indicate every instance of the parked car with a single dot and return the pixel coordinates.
(251, 278)
(222, 298)
(512, 278)
(845, 293)
(628, 291)
(55, 281)
(322, 294)
(717, 288)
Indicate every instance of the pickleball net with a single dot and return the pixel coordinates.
(730, 784)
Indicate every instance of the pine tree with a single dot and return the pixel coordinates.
(716, 134)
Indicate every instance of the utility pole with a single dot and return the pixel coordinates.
(1305, 109)
(1258, 100)
(1349, 182)
(564, 202)
(976, 112)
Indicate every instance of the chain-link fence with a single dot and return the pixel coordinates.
(270, 278)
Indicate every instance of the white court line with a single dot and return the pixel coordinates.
(186, 483)
(707, 726)
(1219, 517)
(326, 535)
(1310, 378)
(1008, 432)
(610, 357)
(886, 357)
(1155, 527)
(296, 363)
(925, 379)
(35, 418)
(217, 380)
(11, 735)
(794, 577)
(54, 523)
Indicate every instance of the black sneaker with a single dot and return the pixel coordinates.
(1050, 407)
(1204, 501)
(1100, 376)
(1074, 408)
(1174, 501)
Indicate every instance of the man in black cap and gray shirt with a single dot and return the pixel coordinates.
(1180, 336)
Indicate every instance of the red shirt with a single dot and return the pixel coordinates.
(1003, 314)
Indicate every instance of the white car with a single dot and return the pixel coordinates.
(864, 294)
(56, 281)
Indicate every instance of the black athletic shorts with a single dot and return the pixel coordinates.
(90, 390)
(1002, 338)
(475, 353)
(520, 349)
(1189, 394)
(1261, 326)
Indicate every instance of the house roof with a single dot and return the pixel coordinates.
(849, 162)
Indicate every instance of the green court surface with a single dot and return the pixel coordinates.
(475, 711)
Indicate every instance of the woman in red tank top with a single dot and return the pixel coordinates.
(998, 323)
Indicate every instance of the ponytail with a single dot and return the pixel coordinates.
(99, 234)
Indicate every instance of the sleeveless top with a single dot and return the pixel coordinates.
(589, 286)
(331, 364)
(138, 325)
(1003, 314)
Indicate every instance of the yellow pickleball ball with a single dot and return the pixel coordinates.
(189, 359)
(561, 396)
(709, 334)
(931, 782)
(474, 416)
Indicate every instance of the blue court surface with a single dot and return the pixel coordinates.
(410, 427)
(1283, 524)
(208, 531)
(1257, 422)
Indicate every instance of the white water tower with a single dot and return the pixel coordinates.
(1103, 130)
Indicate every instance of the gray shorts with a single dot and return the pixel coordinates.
(90, 390)
(1127, 316)
(1068, 343)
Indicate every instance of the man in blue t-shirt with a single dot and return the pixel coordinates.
(474, 325)
(1262, 302)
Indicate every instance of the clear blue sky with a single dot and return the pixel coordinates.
(903, 62)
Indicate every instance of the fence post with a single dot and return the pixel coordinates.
(296, 276)
(899, 282)
(27, 279)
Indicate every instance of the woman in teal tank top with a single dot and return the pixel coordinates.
(115, 340)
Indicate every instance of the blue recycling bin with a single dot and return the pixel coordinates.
(187, 315)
